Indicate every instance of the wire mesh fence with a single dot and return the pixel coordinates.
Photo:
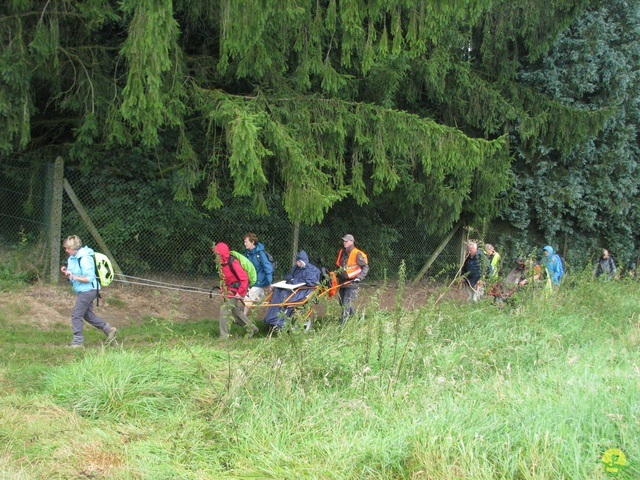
(152, 236)
(23, 200)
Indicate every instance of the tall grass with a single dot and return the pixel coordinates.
(538, 389)
(132, 385)
(20, 264)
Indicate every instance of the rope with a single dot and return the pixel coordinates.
(146, 282)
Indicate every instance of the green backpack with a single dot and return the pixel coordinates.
(246, 264)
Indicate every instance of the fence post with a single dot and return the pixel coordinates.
(463, 244)
(55, 221)
(90, 226)
(436, 253)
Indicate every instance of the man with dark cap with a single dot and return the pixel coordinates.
(353, 267)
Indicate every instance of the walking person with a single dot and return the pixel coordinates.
(606, 266)
(354, 266)
(553, 264)
(473, 270)
(234, 284)
(81, 272)
(256, 253)
(631, 269)
(493, 260)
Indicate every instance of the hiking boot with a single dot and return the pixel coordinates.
(111, 334)
(253, 331)
(274, 330)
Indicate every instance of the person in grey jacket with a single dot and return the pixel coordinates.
(606, 266)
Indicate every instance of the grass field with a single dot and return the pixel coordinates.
(540, 389)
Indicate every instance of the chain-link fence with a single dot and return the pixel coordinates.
(151, 235)
(24, 200)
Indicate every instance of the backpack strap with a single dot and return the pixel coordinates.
(96, 277)
(231, 261)
(98, 296)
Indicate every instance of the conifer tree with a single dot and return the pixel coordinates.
(588, 194)
(330, 99)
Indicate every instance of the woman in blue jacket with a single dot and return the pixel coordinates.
(81, 272)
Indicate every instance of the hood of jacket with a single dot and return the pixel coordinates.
(257, 249)
(549, 249)
(84, 252)
(223, 250)
(303, 256)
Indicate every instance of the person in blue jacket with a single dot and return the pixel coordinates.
(302, 272)
(81, 272)
(554, 266)
(255, 252)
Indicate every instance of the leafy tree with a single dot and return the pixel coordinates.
(332, 100)
(585, 198)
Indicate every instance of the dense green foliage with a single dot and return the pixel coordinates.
(18, 265)
(587, 197)
(421, 112)
(327, 99)
(148, 232)
(538, 389)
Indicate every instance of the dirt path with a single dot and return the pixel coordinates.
(123, 305)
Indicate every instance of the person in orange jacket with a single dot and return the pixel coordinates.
(354, 266)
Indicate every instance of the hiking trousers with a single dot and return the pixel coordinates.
(347, 297)
(234, 308)
(83, 310)
(474, 294)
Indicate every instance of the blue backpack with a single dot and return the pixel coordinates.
(272, 261)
